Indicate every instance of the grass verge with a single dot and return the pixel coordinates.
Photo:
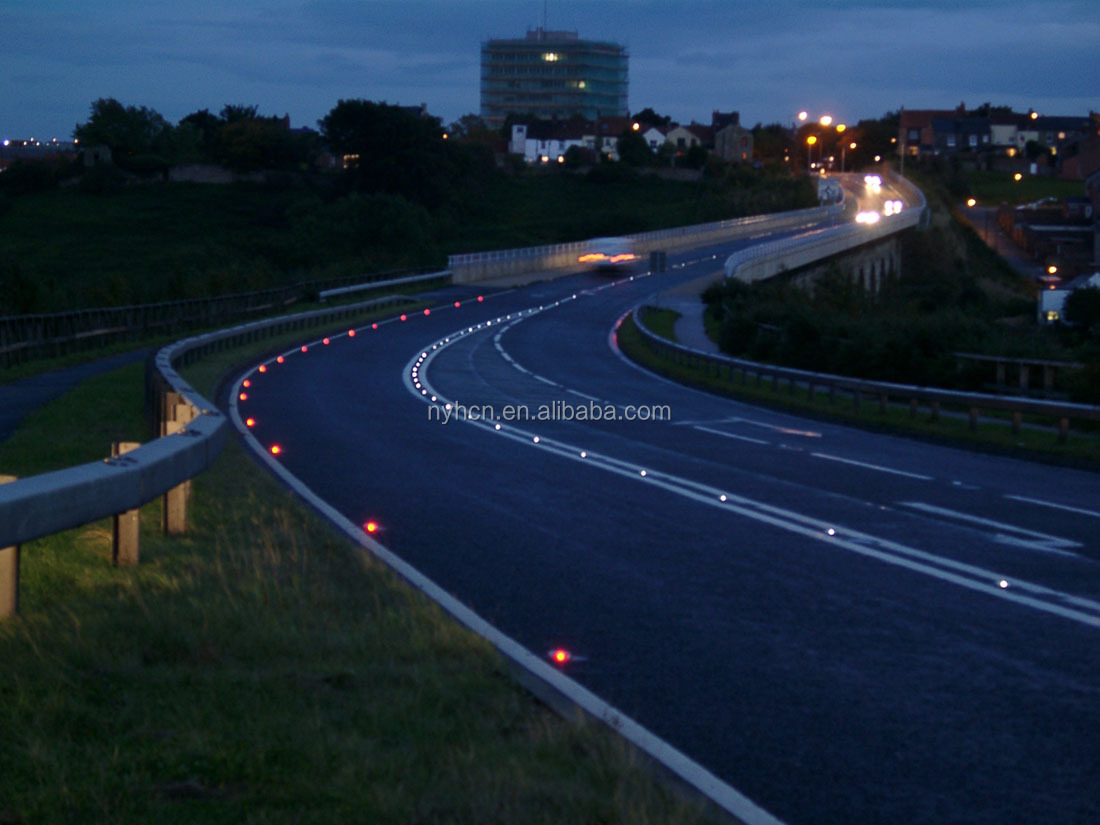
(952, 426)
(261, 669)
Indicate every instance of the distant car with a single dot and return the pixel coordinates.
(609, 254)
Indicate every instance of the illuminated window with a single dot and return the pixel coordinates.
(551, 57)
(1052, 315)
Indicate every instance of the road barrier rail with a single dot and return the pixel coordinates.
(476, 266)
(26, 337)
(1060, 413)
(761, 261)
(192, 433)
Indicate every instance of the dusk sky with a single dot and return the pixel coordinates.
(767, 60)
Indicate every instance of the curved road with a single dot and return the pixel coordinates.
(845, 626)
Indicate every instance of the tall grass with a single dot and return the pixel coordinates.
(262, 669)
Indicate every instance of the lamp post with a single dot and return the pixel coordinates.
(810, 141)
(851, 145)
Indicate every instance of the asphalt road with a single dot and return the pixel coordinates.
(845, 626)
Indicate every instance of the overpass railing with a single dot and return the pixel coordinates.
(771, 258)
(1060, 414)
(476, 266)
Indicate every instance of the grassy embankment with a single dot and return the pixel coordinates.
(1037, 440)
(261, 669)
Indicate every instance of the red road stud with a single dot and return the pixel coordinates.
(371, 526)
(276, 449)
(351, 333)
(250, 422)
(560, 655)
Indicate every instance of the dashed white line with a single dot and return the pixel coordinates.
(1067, 508)
(731, 435)
(876, 467)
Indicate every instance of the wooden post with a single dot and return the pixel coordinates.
(912, 408)
(9, 573)
(1017, 419)
(175, 500)
(1063, 430)
(935, 410)
(1023, 376)
(973, 418)
(125, 527)
(1048, 377)
(1000, 373)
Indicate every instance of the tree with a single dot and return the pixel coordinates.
(392, 150)
(128, 131)
(207, 126)
(647, 115)
(1082, 307)
(633, 149)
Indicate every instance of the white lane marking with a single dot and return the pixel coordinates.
(1011, 534)
(546, 380)
(1067, 508)
(778, 427)
(731, 435)
(583, 395)
(971, 577)
(876, 467)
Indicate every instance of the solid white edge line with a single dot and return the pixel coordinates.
(678, 763)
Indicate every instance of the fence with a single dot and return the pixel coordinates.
(1060, 413)
(25, 337)
(192, 433)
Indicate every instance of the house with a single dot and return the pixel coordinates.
(547, 141)
(732, 141)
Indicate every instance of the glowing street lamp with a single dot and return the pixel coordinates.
(810, 141)
(852, 146)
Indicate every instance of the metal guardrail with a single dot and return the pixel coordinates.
(933, 398)
(49, 503)
(25, 337)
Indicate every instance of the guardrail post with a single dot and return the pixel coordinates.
(935, 410)
(125, 527)
(1017, 420)
(175, 500)
(9, 573)
(1063, 430)
(912, 408)
(882, 402)
(973, 418)
(1024, 371)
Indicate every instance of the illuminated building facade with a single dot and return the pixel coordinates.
(552, 75)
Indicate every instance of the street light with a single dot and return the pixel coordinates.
(810, 141)
(851, 145)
